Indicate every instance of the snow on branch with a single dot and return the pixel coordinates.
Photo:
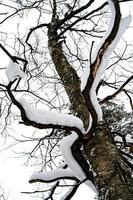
(14, 71)
(124, 23)
(94, 55)
(100, 60)
(66, 146)
(52, 118)
(51, 176)
(104, 64)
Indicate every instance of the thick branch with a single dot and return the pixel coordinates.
(29, 122)
(52, 176)
(97, 62)
(70, 80)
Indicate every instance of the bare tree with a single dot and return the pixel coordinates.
(55, 53)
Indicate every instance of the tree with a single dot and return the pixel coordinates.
(54, 53)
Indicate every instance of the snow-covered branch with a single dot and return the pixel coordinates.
(51, 176)
(100, 60)
(71, 150)
(51, 118)
(43, 119)
(14, 71)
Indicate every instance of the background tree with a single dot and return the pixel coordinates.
(54, 53)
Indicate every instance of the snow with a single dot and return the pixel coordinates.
(86, 73)
(61, 164)
(90, 123)
(110, 26)
(13, 71)
(51, 175)
(124, 23)
(103, 65)
(68, 192)
(129, 139)
(93, 96)
(65, 147)
(84, 77)
(50, 117)
(118, 139)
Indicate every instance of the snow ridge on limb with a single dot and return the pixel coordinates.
(94, 55)
(89, 91)
(124, 23)
(100, 60)
(70, 149)
(43, 119)
(51, 176)
(46, 117)
(14, 71)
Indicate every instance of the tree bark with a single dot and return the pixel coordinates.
(113, 175)
(70, 81)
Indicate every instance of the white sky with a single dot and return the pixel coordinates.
(14, 175)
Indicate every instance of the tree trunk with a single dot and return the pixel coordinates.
(113, 175)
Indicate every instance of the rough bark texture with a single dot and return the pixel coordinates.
(70, 81)
(113, 175)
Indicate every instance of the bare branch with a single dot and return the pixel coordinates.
(117, 92)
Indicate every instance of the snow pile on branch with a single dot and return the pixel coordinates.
(124, 23)
(65, 147)
(51, 176)
(84, 77)
(109, 29)
(14, 71)
(66, 150)
(94, 55)
(50, 117)
(128, 138)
